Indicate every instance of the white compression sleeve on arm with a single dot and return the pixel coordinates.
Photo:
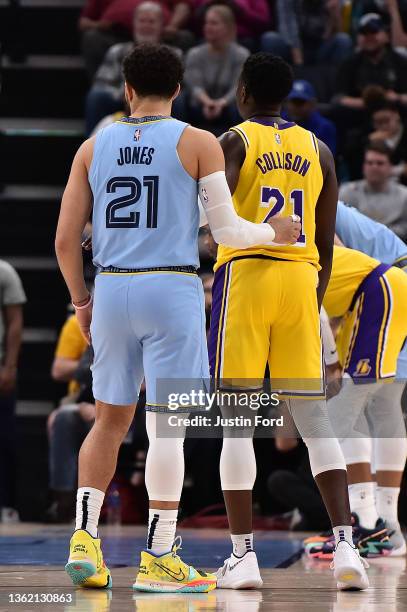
(328, 340)
(202, 214)
(226, 226)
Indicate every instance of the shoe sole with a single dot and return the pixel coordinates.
(158, 587)
(79, 571)
(243, 584)
(350, 580)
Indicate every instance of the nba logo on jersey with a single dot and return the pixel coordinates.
(363, 368)
(278, 138)
(137, 135)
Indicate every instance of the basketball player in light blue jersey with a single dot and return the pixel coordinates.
(143, 175)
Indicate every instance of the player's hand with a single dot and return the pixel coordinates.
(84, 316)
(87, 243)
(333, 379)
(287, 229)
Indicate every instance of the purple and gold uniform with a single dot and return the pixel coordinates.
(264, 298)
(372, 298)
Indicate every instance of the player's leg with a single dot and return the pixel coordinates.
(238, 350)
(117, 375)
(389, 456)
(175, 362)
(296, 369)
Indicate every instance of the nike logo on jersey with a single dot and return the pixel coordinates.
(179, 576)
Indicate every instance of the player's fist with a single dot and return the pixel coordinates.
(287, 229)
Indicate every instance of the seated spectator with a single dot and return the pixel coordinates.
(301, 107)
(106, 94)
(107, 22)
(104, 23)
(252, 18)
(385, 126)
(12, 298)
(309, 32)
(212, 70)
(378, 196)
(374, 63)
(70, 348)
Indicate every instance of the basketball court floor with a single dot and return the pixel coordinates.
(32, 575)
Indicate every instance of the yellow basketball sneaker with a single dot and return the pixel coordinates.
(85, 564)
(169, 574)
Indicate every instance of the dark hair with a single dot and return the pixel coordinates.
(379, 147)
(267, 78)
(153, 70)
(387, 105)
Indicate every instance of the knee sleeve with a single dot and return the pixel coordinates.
(390, 454)
(312, 422)
(387, 425)
(357, 450)
(164, 474)
(237, 464)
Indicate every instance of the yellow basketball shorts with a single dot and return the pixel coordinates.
(374, 330)
(264, 311)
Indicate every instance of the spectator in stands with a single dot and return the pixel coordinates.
(252, 18)
(374, 63)
(377, 195)
(301, 107)
(385, 126)
(309, 32)
(70, 348)
(212, 70)
(106, 94)
(107, 22)
(12, 298)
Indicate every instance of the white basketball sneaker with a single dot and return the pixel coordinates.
(349, 568)
(240, 572)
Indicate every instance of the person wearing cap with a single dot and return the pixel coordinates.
(301, 107)
(375, 63)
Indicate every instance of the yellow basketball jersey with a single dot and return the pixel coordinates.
(349, 269)
(280, 174)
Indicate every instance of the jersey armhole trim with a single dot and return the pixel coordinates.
(314, 143)
(242, 135)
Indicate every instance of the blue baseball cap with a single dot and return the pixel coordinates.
(371, 23)
(302, 90)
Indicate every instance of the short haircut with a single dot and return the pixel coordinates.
(149, 5)
(225, 12)
(153, 70)
(387, 105)
(379, 147)
(267, 78)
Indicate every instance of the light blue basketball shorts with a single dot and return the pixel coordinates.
(149, 325)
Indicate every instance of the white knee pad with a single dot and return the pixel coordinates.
(356, 450)
(312, 422)
(164, 474)
(390, 454)
(237, 464)
(387, 424)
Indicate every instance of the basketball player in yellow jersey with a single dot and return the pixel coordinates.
(371, 297)
(266, 308)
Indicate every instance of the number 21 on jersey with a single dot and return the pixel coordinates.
(296, 200)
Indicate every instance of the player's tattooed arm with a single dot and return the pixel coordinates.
(235, 153)
(325, 218)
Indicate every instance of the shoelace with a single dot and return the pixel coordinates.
(361, 559)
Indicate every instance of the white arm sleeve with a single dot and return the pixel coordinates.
(226, 226)
(328, 340)
(202, 215)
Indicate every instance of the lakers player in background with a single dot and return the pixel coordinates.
(266, 309)
(141, 177)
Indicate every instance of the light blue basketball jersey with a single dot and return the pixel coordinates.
(145, 205)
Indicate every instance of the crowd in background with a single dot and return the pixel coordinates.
(350, 63)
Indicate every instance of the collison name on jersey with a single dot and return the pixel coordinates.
(135, 155)
(283, 161)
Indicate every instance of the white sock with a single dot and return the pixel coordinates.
(343, 532)
(89, 502)
(161, 530)
(386, 503)
(362, 502)
(242, 543)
